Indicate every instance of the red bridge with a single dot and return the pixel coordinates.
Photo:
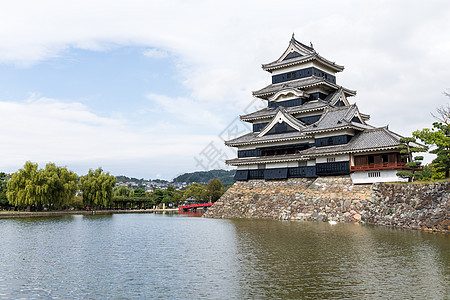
(194, 206)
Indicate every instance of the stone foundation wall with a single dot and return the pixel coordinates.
(415, 206)
(335, 198)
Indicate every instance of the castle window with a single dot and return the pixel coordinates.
(331, 159)
(373, 174)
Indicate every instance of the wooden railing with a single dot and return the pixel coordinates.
(380, 166)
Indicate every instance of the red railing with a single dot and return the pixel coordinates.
(194, 205)
(381, 166)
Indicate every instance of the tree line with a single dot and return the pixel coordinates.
(125, 198)
(56, 188)
(437, 139)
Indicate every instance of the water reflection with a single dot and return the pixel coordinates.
(315, 260)
(180, 257)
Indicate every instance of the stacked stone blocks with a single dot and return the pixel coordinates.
(336, 198)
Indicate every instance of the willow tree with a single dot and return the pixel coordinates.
(61, 185)
(25, 187)
(3, 199)
(30, 186)
(97, 188)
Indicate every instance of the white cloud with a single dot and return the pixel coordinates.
(156, 53)
(44, 130)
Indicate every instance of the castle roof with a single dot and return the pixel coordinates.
(333, 119)
(301, 83)
(254, 138)
(375, 139)
(298, 53)
(337, 118)
(316, 105)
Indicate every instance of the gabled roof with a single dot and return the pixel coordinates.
(333, 118)
(288, 91)
(302, 83)
(315, 105)
(374, 139)
(339, 95)
(297, 53)
(338, 118)
(280, 117)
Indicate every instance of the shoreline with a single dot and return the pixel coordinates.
(9, 214)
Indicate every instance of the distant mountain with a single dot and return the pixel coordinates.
(225, 176)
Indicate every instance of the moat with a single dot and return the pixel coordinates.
(179, 257)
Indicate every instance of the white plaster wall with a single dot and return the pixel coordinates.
(311, 163)
(277, 165)
(247, 147)
(247, 167)
(343, 157)
(292, 164)
(385, 176)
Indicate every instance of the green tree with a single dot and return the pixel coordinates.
(196, 191)
(122, 191)
(178, 197)
(139, 193)
(168, 195)
(60, 185)
(3, 198)
(439, 138)
(25, 189)
(53, 186)
(97, 188)
(158, 196)
(214, 190)
(426, 173)
(407, 148)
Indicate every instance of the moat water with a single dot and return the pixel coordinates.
(150, 256)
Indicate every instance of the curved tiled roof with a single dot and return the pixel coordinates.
(270, 112)
(306, 53)
(301, 83)
(252, 138)
(376, 139)
(301, 59)
(337, 118)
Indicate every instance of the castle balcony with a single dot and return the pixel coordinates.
(381, 166)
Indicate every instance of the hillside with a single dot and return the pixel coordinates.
(225, 176)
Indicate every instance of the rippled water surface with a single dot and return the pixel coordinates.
(147, 256)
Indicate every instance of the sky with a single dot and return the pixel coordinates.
(151, 89)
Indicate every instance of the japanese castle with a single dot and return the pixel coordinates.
(309, 128)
